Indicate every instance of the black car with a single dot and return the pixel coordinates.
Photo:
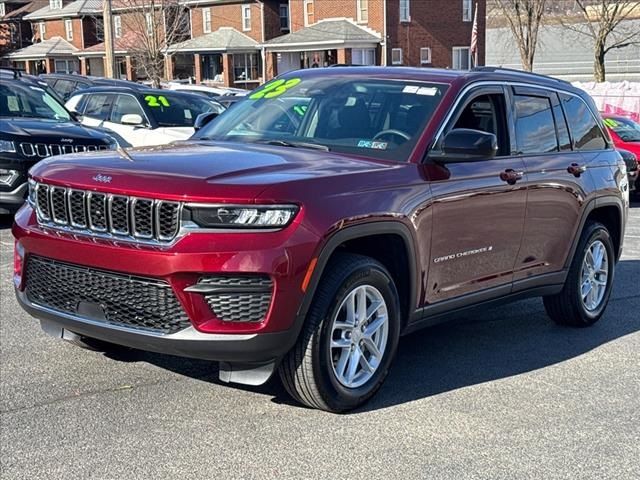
(7, 73)
(33, 126)
(66, 84)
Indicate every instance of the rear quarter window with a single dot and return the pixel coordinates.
(584, 130)
(535, 127)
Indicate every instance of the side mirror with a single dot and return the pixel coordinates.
(466, 145)
(132, 119)
(203, 119)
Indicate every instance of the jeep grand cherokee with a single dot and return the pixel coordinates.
(332, 211)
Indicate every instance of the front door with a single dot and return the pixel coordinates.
(479, 207)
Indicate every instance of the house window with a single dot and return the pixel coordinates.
(43, 30)
(467, 10)
(246, 18)
(363, 56)
(246, 66)
(396, 56)
(309, 13)
(405, 15)
(3, 11)
(66, 66)
(206, 20)
(13, 31)
(55, 4)
(149, 19)
(284, 16)
(461, 58)
(425, 55)
(117, 26)
(363, 10)
(68, 29)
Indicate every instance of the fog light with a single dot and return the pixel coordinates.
(18, 264)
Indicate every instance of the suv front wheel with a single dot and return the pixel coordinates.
(586, 292)
(349, 338)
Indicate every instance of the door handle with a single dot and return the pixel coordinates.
(576, 170)
(511, 176)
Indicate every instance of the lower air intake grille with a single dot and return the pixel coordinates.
(122, 300)
(239, 298)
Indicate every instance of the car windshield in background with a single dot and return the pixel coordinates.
(29, 101)
(171, 110)
(627, 130)
(372, 117)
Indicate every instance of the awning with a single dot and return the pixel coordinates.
(326, 34)
(223, 40)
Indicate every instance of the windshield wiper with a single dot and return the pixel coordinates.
(286, 143)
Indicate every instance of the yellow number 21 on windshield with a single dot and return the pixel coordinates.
(159, 101)
(275, 88)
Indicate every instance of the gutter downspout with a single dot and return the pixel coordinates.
(384, 33)
(262, 49)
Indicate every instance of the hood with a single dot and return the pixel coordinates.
(38, 129)
(198, 170)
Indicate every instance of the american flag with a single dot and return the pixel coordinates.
(474, 38)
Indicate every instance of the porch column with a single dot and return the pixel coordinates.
(83, 66)
(271, 65)
(227, 69)
(168, 67)
(197, 68)
(131, 72)
(344, 55)
(50, 65)
(27, 66)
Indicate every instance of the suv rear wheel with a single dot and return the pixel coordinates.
(586, 292)
(349, 338)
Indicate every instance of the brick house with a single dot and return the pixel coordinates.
(246, 42)
(15, 31)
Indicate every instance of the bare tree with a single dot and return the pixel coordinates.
(149, 27)
(605, 22)
(524, 18)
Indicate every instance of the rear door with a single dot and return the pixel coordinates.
(478, 210)
(560, 158)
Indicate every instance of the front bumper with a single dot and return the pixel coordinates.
(237, 349)
(12, 200)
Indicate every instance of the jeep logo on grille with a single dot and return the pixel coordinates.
(102, 178)
(66, 140)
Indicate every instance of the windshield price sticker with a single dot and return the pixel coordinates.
(611, 123)
(156, 102)
(275, 88)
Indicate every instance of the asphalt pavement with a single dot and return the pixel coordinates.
(500, 394)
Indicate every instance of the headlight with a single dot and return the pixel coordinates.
(7, 146)
(31, 196)
(241, 216)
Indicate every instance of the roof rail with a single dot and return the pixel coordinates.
(16, 72)
(519, 72)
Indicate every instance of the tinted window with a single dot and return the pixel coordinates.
(365, 116)
(487, 114)
(125, 105)
(584, 129)
(535, 128)
(65, 88)
(98, 106)
(561, 126)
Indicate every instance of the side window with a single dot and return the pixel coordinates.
(487, 114)
(74, 103)
(98, 106)
(125, 105)
(585, 131)
(561, 126)
(535, 127)
(65, 88)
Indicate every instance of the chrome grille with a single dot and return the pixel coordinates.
(107, 215)
(51, 149)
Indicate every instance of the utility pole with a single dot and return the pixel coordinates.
(107, 20)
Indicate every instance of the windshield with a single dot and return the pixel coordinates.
(170, 110)
(21, 100)
(349, 114)
(627, 130)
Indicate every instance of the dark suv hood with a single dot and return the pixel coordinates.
(200, 169)
(38, 128)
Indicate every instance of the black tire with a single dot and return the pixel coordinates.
(567, 307)
(307, 371)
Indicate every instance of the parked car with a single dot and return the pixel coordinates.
(626, 136)
(229, 101)
(332, 211)
(633, 169)
(211, 92)
(7, 73)
(67, 84)
(33, 126)
(141, 117)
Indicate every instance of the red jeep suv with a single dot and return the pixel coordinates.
(324, 216)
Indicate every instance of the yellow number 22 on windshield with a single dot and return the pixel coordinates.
(275, 88)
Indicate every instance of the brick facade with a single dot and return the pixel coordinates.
(228, 16)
